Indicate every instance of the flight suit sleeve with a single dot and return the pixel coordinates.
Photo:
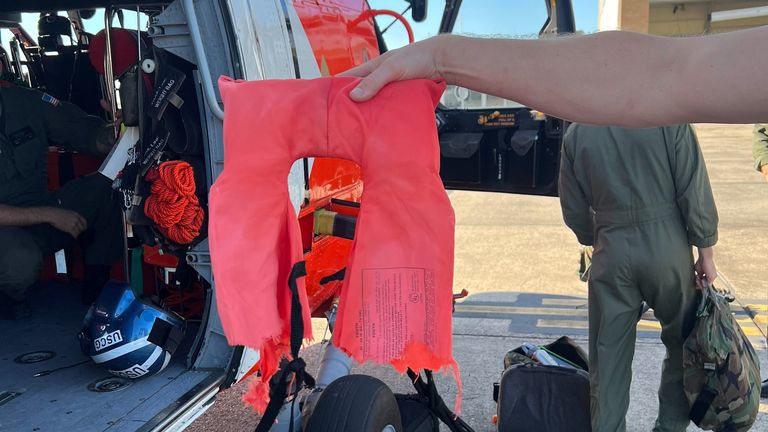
(760, 145)
(694, 192)
(69, 126)
(573, 202)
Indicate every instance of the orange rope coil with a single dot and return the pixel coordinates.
(172, 204)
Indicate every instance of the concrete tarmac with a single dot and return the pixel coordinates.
(519, 262)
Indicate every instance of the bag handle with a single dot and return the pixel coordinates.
(706, 293)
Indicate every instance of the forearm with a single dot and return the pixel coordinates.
(705, 268)
(707, 252)
(22, 216)
(105, 140)
(616, 78)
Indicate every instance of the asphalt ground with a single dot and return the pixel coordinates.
(519, 263)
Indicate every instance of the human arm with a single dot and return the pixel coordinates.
(693, 190)
(69, 126)
(618, 78)
(760, 148)
(694, 198)
(573, 202)
(62, 219)
(705, 266)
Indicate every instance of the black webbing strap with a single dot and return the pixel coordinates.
(701, 405)
(299, 270)
(435, 403)
(281, 381)
(338, 276)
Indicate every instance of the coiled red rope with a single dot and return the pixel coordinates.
(172, 204)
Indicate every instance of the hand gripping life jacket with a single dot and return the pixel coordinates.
(396, 299)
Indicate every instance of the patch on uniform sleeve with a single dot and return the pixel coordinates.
(50, 99)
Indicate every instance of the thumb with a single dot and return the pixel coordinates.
(373, 83)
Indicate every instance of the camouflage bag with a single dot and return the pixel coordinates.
(721, 369)
(585, 262)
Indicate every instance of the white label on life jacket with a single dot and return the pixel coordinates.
(399, 307)
(61, 262)
(108, 339)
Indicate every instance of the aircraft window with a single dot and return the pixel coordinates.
(92, 25)
(515, 20)
(501, 19)
(518, 19)
(130, 21)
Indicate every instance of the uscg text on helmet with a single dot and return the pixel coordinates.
(108, 339)
(132, 372)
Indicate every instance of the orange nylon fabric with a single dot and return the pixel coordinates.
(396, 300)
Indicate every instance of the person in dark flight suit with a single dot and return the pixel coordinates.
(35, 223)
(642, 197)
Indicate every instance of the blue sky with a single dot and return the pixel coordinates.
(503, 18)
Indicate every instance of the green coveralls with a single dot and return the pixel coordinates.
(760, 145)
(30, 121)
(642, 197)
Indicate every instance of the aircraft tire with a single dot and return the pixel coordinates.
(356, 403)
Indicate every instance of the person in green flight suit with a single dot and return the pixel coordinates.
(642, 198)
(760, 148)
(34, 222)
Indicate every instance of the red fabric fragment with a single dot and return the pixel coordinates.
(396, 300)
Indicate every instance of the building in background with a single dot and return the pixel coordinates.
(681, 17)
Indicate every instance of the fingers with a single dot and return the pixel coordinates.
(710, 271)
(73, 224)
(376, 74)
(81, 224)
(704, 274)
(69, 228)
(371, 84)
(699, 282)
(711, 276)
(364, 69)
(698, 275)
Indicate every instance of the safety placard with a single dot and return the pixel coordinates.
(398, 306)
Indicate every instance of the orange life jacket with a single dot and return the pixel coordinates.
(396, 300)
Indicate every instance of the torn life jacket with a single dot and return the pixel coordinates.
(396, 299)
